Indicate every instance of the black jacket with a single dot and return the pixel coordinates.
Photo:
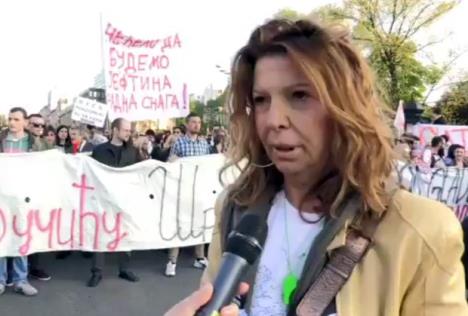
(106, 154)
(88, 147)
(161, 154)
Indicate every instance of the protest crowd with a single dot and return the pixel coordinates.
(307, 150)
(119, 147)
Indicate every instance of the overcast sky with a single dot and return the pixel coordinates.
(56, 44)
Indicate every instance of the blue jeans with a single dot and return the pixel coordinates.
(19, 272)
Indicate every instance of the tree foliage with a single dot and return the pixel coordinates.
(3, 121)
(212, 113)
(386, 30)
(195, 107)
(289, 14)
(454, 104)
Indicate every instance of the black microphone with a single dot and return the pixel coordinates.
(243, 247)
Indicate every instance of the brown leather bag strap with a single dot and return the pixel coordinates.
(338, 269)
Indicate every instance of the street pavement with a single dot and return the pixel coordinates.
(67, 295)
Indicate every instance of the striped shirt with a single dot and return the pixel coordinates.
(186, 147)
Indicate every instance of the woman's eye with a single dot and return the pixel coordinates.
(258, 100)
(300, 95)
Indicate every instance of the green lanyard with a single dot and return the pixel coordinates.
(291, 280)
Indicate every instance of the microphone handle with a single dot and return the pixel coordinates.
(226, 284)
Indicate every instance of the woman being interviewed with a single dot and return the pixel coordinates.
(307, 118)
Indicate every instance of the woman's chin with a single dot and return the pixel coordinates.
(288, 167)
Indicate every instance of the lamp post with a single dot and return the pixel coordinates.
(221, 111)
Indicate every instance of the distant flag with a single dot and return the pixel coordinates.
(399, 121)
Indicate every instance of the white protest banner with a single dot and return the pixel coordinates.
(89, 111)
(144, 72)
(447, 185)
(458, 134)
(74, 202)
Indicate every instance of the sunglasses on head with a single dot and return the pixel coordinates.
(38, 125)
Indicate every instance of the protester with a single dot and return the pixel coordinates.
(446, 144)
(433, 156)
(159, 152)
(456, 157)
(219, 143)
(143, 145)
(79, 143)
(50, 137)
(318, 168)
(151, 136)
(63, 140)
(177, 131)
(171, 141)
(16, 140)
(117, 153)
(96, 135)
(36, 125)
(189, 145)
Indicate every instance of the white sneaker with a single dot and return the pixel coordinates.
(170, 269)
(25, 288)
(2, 289)
(200, 263)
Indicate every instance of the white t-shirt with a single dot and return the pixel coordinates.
(273, 266)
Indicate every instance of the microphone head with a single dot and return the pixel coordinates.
(247, 239)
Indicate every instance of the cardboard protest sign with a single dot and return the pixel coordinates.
(144, 76)
(89, 111)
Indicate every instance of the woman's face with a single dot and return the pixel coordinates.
(63, 134)
(292, 124)
(459, 154)
(50, 137)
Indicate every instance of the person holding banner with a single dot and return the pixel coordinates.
(63, 141)
(456, 157)
(117, 153)
(80, 144)
(16, 140)
(36, 126)
(315, 149)
(50, 137)
(189, 145)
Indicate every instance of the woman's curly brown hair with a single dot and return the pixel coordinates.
(361, 148)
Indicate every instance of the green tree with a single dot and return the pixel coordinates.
(386, 30)
(3, 121)
(215, 112)
(454, 104)
(195, 107)
(288, 14)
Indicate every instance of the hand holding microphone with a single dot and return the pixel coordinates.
(244, 246)
(191, 304)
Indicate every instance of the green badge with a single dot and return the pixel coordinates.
(289, 286)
